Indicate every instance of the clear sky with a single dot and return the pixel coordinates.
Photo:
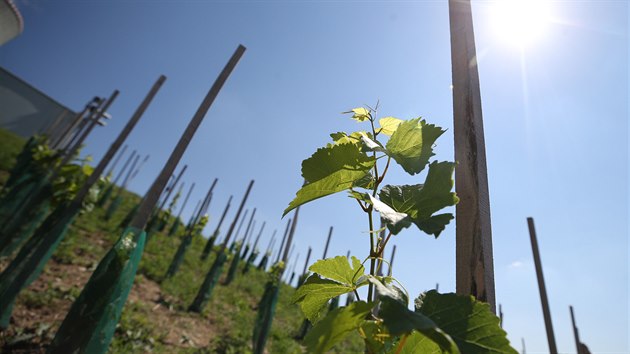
(555, 115)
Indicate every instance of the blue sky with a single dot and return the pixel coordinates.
(555, 116)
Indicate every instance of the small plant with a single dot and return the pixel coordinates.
(358, 163)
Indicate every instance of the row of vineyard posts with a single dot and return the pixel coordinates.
(36, 212)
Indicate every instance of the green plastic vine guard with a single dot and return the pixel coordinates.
(205, 292)
(104, 296)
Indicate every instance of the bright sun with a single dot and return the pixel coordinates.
(520, 22)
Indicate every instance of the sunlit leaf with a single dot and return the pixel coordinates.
(330, 170)
(338, 269)
(314, 294)
(389, 125)
(411, 145)
(359, 114)
(470, 323)
(336, 326)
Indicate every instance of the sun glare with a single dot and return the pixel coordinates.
(520, 22)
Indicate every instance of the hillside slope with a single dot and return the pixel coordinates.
(155, 317)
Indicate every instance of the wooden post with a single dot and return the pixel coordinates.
(125, 165)
(129, 173)
(327, 242)
(500, 316)
(523, 344)
(576, 334)
(98, 112)
(70, 127)
(185, 200)
(170, 190)
(308, 257)
(391, 262)
(249, 226)
(541, 286)
(146, 207)
(474, 268)
(135, 173)
(258, 237)
(238, 214)
(118, 157)
(285, 257)
(271, 241)
(284, 239)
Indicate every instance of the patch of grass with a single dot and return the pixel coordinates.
(10, 146)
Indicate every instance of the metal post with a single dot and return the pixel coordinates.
(474, 268)
(541, 286)
(145, 209)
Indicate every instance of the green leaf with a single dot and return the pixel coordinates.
(389, 125)
(339, 269)
(418, 343)
(421, 201)
(399, 320)
(395, 220)
(364, 197)
(360, 114)
(330, 170)
(336, 326)
(411, 145)
(469, 322)
(313, 295)
(375, 335)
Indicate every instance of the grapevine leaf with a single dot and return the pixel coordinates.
(436, 193)
(364, 197)
(435, 224)
(354, 138)
(411, 145)
(376, 337)
(336, 326)
(469, 322)
(421, 201)
(330, 170)
(313, 295)
(396, 221)
(339, 269)
(389, 125)
(399, 320)
(417, 343)
(371, 144)
(360, 114)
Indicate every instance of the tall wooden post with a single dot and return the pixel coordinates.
(152, 196)
(284, 239)
(541, 286)
(474, 268)
(327, 242)
(576, 334)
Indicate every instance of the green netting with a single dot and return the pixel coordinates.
(92, 319)
(250, 260)
(24, 211)
(334, 303)
(35, 253)
(127, 220)
(113, 207)
(22, 164)
(205, 291)
(350, 298)
(233, 266)
(245, 253)
(304, 328)
(107, 193)
(14, 240)
(174, 227)
(264, 318)
(209, 245)
(15, 198)
(263, 262)
(179, 255)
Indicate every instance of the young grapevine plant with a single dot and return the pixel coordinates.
(358, 163)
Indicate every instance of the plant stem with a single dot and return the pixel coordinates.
(372, 254)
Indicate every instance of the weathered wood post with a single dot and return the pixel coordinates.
(541, 287)
(330, 231)
(284, 238)
(116, 160)
(391, 262)
(213, 238)
(91, 322)
(576, 334)
(474, 267)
